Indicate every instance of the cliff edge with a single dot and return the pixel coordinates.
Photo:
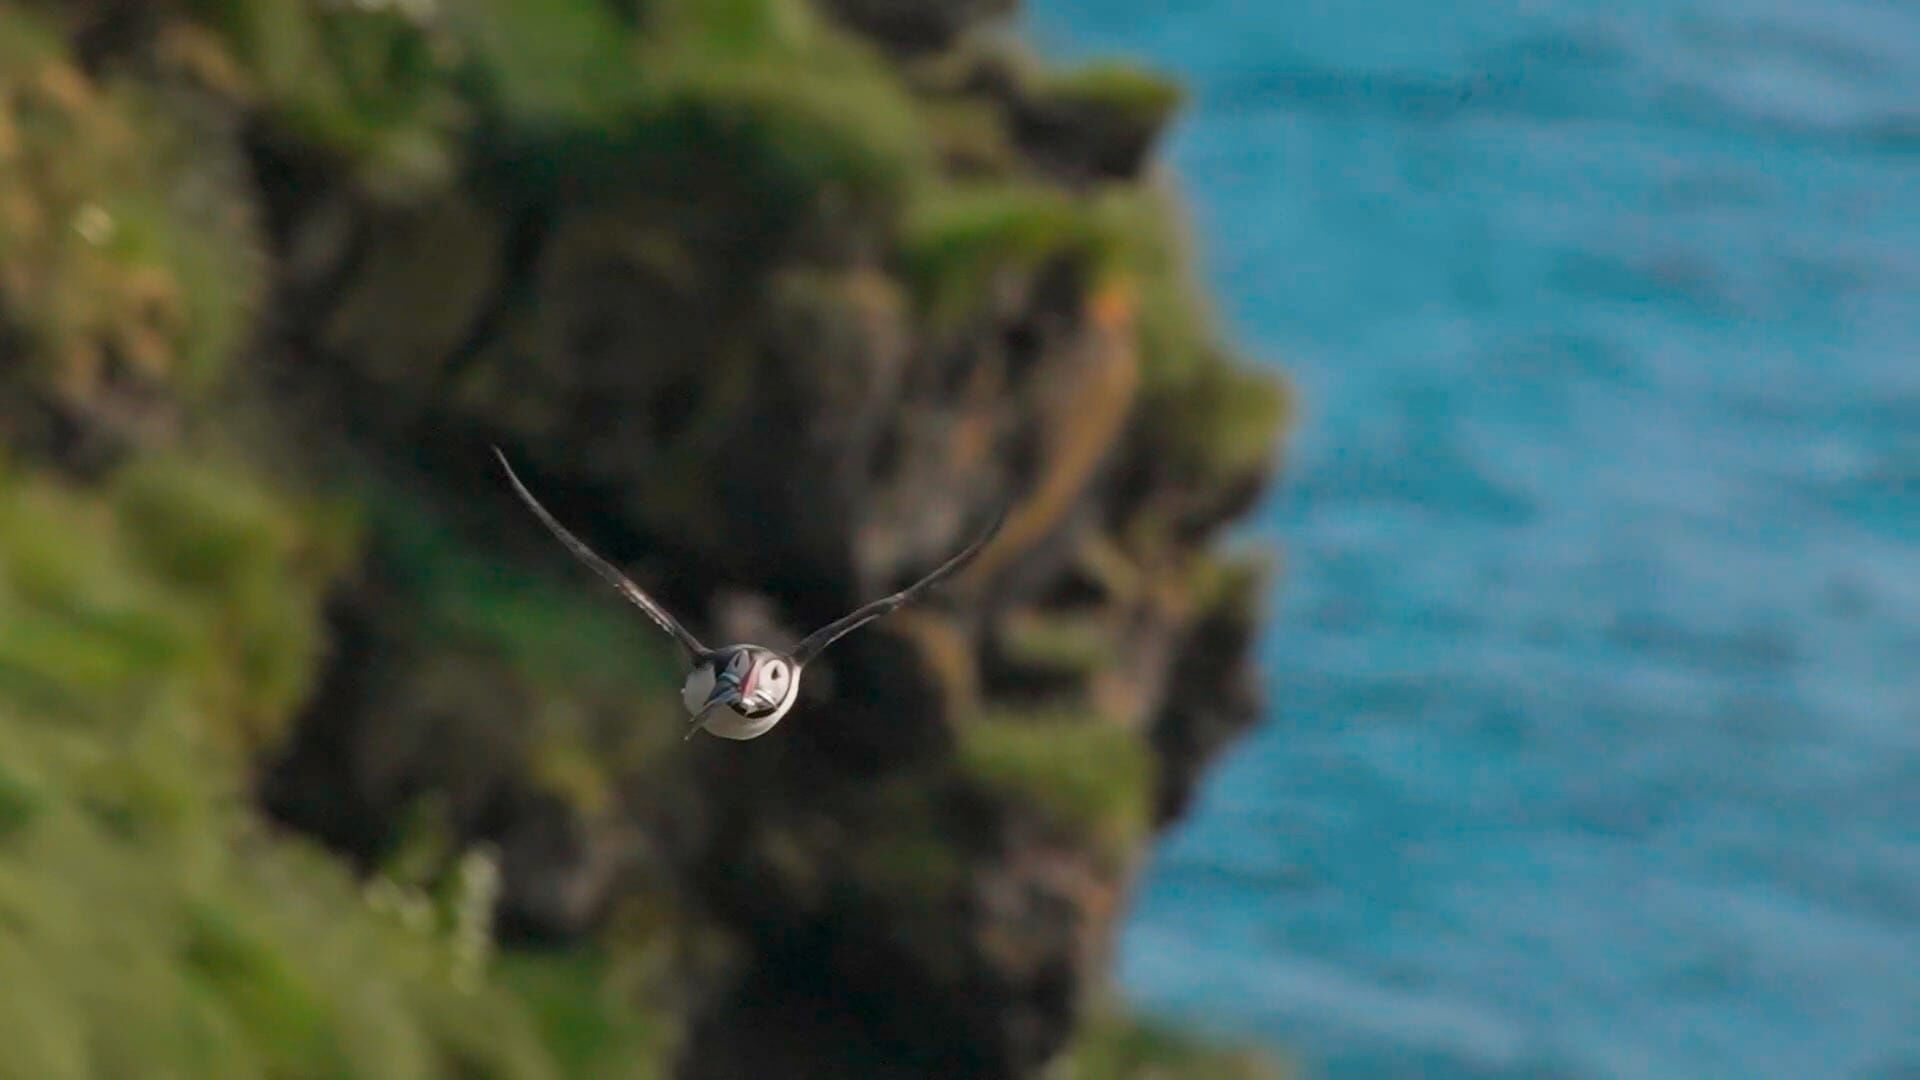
(772, 303)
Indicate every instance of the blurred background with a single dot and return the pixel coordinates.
(1579, 730)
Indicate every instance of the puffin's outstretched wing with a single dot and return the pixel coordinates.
(605, 569)
(833, 631)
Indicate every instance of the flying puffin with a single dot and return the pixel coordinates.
(741, 691)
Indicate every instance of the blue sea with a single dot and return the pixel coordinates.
(1594, 748)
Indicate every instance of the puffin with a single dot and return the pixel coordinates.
(741, 691)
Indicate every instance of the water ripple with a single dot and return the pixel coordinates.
(1596, 741)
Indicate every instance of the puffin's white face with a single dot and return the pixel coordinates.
(756, 686)
(768, 684)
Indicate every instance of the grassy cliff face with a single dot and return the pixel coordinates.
(299, 713)
(156, 631)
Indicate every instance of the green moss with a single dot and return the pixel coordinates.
(956, 241)
(557, 632)
(369, 86)
(789, 133)
(554, 678)
(972, 137)
(186, 208)
(1205, 413)
(1077, 642)
(751, 110)
(1221, 421)
(1143, 97)
(1110, 1045)
(1233, 584)
(145, 928)
(577, 1001)
(1177, 328)
(125, 668)
(903, 852)
(85, 632)
(252, 565)
(128, 253)
(230, 959)
(27, 40)
(20, 802)
(546, 63)
(741, 29)
(1092, 777)
(755, 94)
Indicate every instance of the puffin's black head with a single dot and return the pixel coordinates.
(751, 681)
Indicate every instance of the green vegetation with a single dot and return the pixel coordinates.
(542, 65)
(580, 1012)
(1232, 583)
(756, 96)
(127, 256)
(556, 634)
(955, 244)
(1082, 774)
(559, 670)
(1214, 419)
(368, 84)
(185, 588)
(901, 852)
(144, 920)
(1081, 643)
(1121, 88)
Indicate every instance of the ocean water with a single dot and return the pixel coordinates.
(1595, 746)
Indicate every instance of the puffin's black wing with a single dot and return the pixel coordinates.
(833, 631)
(605, 569)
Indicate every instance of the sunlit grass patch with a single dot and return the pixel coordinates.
(129, 259)
(253, 564)
(175, 611)
(754, 107)
(1085, 775)
(144, 924)
(1147, 97)
(957, 241)
(369, 85)
(137, 953)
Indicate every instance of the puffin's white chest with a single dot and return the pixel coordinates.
(728, 724)
(699, 686)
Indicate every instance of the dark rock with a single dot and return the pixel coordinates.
(916, 26)
(1221, 699)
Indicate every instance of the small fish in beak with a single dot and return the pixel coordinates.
(742, 691)
(726, 691)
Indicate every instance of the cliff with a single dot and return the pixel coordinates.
(317, 757)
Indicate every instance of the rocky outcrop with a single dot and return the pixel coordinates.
(912, 27)
(775, 308)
